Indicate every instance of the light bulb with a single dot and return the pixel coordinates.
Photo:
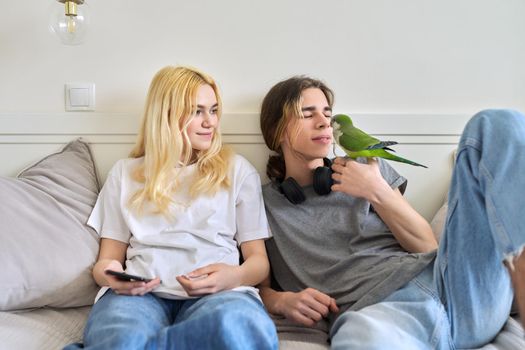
(69, 21)
(71, 25)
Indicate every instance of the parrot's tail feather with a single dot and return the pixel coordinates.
(402, 160)
(383, 154)
(411, 162)
(389, 149)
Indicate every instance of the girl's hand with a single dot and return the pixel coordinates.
(211, 279)
(307, 307)
(357, 179)
(128, 288)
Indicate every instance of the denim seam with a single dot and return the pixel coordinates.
(434, 339)
(499, 227)
(472, 142)
(427, 290)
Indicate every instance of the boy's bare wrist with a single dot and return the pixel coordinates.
(380, 194)
(278, 305)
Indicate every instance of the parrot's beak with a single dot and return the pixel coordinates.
(334, 124)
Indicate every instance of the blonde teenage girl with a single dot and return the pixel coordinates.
(175, 213)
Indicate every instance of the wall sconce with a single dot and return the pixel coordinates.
(70, 21)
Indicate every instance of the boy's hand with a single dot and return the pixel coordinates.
(307, 307)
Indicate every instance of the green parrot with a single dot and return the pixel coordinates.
(357, 143)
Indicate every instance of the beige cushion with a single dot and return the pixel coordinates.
(438, 222)
(46, 250)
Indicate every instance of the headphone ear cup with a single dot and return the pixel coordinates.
(292, 191)
(323, 180)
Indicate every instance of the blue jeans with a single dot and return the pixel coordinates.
(463, 299)
(226, 320)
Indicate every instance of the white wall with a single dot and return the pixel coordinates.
(385, 56)
(410, 64)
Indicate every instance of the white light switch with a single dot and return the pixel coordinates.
(80, 97)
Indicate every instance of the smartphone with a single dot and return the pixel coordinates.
(127, 277)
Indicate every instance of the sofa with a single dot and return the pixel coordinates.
(48, 251)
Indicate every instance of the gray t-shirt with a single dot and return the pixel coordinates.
(338, 245)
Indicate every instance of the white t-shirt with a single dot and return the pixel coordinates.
(203, 231)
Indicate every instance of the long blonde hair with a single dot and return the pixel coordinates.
(165, 145)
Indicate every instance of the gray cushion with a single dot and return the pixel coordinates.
(47, 251)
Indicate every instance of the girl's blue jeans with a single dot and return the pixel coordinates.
(226, 320)
(463, 299)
